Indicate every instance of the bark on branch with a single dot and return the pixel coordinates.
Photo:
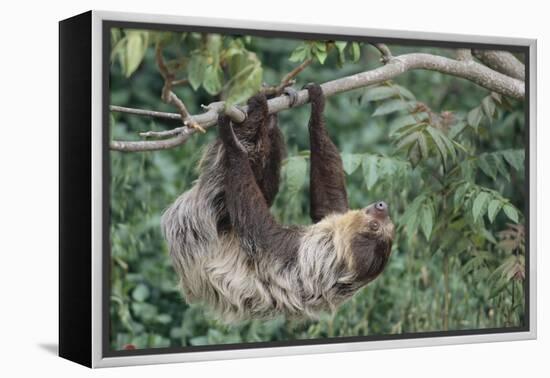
(469, 69)
(502, 61)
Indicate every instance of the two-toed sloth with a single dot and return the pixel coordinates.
(231, 253)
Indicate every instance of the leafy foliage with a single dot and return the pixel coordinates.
(454, 180)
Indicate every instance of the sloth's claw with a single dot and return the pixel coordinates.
(292, 96)
(314, 88)
(316, 95)
(227, 135)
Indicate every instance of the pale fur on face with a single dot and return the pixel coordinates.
(215, 270)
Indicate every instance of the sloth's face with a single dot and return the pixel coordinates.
(377, 221)
(371, 244)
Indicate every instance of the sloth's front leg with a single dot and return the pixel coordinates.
(327, 181)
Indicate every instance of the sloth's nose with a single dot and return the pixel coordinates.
(378, 209)
(381, 206)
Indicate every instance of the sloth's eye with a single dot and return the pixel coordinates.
(374, 225)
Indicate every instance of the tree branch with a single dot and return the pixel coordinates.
(502, 61)
(145, 112)
(470, 70)
(288, 79)
(384, 51)
(463, 55)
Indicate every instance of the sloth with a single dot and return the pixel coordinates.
(232, 255)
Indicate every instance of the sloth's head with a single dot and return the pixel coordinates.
(377, 222)
(368, 235)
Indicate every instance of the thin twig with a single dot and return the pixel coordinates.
(170, 97)
(287, 80)
(163, 134)
(289, 77)
(145, 112)
(384, 51)
(175, 83)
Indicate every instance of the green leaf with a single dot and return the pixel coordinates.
(479, 204)
(377, 94)
(235, 48)
(116, 35)
(450, 144)
(494, 207)
(299, 54)
(321, 56)
(439, 143)
(387, 166)
(213, 47)
(488, 106)
(410, 217)
(119, 50)
(515, 158)
(496, 97)
(422, 145)
(321, 46)
(500, 166)
(296, 169)
(340, 46)
(415, 154)
(351, 162)
(166, 37)
(136, 46)
(457, 129)
(474, 117)
(196, 70)
(460, 193)
(488, 236)
(390, 107)
(355, 52)
(511, 213)
(404, 92)
(199, 340)
(246, 78)
(213, 77)
(407, 120)
(140, 292)
(409, 129)
(426, 220)
(112, 120)
(407, 140)
(487, 168)
(498, 288)
(370, 171)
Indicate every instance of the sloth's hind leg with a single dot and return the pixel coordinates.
(264, 143)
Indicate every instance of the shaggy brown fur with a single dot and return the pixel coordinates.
(231, 253)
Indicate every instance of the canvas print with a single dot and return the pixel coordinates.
(272, 189)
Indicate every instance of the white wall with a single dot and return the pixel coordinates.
(28, 207)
